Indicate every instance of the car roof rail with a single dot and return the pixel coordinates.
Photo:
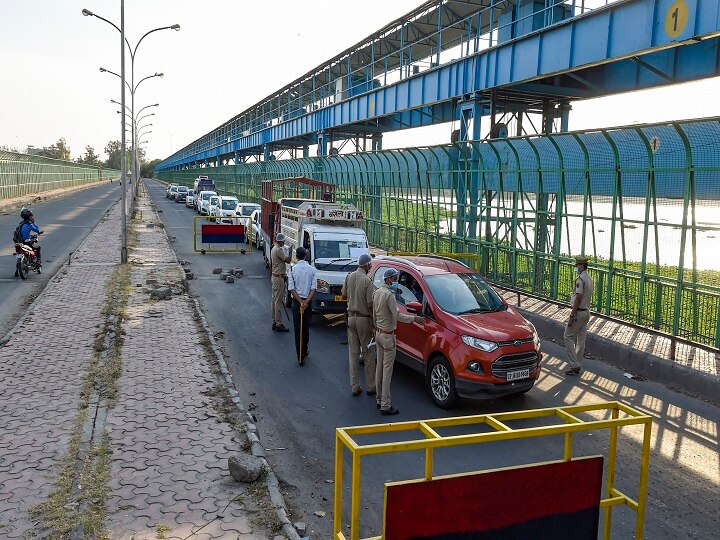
(441, 257)
(397, 260)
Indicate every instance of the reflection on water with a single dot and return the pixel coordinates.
(664, 232)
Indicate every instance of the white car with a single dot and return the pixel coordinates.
(203, 198)
(190, 199)
(244, 211)
(225, 209)
(257, 237)
(211, 206)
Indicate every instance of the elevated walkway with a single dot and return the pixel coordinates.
(468, 60)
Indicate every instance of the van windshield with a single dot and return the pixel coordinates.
(229, 204)
(336, 252)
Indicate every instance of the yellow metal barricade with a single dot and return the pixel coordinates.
(620, 415)
(198, 246)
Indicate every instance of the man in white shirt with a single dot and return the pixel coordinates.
(302, 283)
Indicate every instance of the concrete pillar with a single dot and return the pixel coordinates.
(377, 139)
(565, 109)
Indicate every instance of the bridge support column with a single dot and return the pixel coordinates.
(565, 109)
(267, 152)
(323, 138)
(377, 139)
(306, 151)
(469, 113)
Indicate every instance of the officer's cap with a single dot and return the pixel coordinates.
(390, 272)
(581, 259)
(280, 237)
(364, 259)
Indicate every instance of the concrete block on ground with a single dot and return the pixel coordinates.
(161, 293)
(217, 270)
(245, 468)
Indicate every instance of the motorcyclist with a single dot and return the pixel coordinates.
(27, 227)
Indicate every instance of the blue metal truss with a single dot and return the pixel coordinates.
(620, 47)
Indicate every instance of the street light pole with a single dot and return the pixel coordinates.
(123, 42)
(123, 164)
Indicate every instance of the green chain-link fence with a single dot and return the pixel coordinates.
(641, 201)
(24, 174)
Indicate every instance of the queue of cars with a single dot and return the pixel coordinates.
(472, 343)
(226, 209)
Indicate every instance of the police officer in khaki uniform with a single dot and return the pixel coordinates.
(278, 260)
(358, 289)
(576, 329)
(386, 316)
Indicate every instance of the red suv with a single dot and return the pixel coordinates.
(473, 344)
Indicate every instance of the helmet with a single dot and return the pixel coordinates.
(364, 259)
(280, 237)
(390, 272)
(25, 213)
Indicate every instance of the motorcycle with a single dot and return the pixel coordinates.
(26, 258)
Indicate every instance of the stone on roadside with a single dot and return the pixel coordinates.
(190, 275)
(244, 467)
(161, 293)
(224, 276)
(300, 526)
(217, 270)
(238, 272)
(230, 279)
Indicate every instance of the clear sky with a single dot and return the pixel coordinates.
(228, 55)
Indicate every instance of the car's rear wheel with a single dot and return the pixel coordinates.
(441, 382)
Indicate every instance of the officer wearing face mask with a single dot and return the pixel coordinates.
(386, 317)
(576, 329)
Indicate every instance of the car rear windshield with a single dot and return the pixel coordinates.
(229, 205)
(247, 209)
(463, 294)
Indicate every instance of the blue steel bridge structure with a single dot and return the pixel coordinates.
(506, 61)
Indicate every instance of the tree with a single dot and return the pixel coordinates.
(114, 153)
(147, 170)
(114, 150)
(59, 150)
(90, 157)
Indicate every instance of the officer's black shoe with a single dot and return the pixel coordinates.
(371, 392)
(357, 392)
(274, 327)
(281, 328)
(390, 411)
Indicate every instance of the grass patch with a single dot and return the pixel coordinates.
(61, 512)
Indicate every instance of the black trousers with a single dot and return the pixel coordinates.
(307, 316)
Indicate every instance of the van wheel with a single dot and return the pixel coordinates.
(441, 383)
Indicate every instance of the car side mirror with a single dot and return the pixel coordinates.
(414, 307)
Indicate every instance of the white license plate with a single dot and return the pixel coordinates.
(516, 375)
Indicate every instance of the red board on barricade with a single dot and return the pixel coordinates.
(545, 501)
(222, 234)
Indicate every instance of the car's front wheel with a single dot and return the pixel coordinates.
(441, 382)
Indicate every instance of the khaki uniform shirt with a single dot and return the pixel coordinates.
(358, 289)
(583, 285)
(277, 260)
(386, 310)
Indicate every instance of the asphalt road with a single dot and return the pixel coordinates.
(299, 408)
(66, 220)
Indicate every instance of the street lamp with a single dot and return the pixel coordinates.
(133, 52)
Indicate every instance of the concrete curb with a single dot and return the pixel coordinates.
(649, 366)
(257, 449)
(273, 486)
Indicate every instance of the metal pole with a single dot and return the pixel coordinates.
(123, 150)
